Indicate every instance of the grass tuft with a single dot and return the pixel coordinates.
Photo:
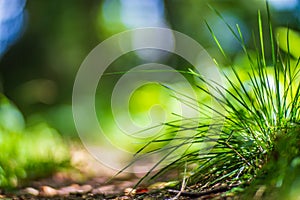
(260, 133)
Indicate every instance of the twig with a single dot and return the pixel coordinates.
(203, 193)
(183, 185)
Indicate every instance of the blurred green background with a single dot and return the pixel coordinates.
(38, 69)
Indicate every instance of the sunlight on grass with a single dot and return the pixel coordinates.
(260, 136)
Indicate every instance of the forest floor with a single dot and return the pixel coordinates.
(88, 180)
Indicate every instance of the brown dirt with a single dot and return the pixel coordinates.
(88, 180)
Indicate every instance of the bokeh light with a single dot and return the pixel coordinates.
(11, 22)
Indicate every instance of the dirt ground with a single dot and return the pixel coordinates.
(89, 180)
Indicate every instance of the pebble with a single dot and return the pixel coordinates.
(32, 191)
(72, 189)
(84, 189)
(106, 189)
(48, 191)
(130, 191)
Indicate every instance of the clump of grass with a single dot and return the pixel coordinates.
(27, 152)
(259, 122)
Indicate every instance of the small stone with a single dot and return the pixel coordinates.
(63, 192)
(85, 189)
(106, 189)
(32, 191)
(48, 191)
(97, 191)
(72, 189)
(130, 191)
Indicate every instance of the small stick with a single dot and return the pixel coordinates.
(203, 193)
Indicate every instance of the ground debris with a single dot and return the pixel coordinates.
(88, 192)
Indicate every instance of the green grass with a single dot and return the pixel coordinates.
(258, 141)
(27, 152)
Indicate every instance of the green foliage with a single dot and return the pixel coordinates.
(27, 152)
(259, 119)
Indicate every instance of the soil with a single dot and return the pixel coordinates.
(89, 180)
